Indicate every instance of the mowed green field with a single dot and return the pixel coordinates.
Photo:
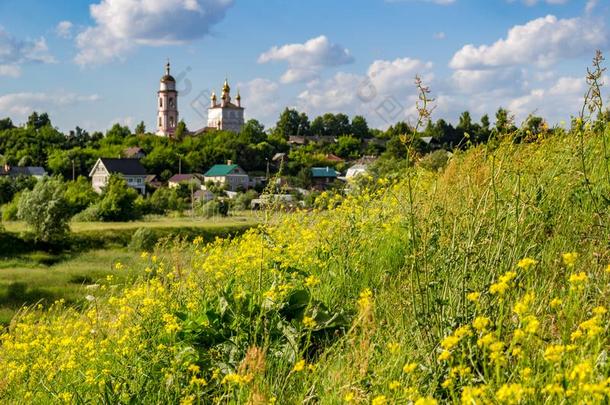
(41, 277)
(240, 217)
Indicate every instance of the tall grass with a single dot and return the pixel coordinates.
(485, 283)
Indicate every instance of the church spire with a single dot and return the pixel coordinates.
(167, 67)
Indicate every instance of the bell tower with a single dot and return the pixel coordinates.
(167, 104)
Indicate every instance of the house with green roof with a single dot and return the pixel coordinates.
(230, 175)
(323, 176)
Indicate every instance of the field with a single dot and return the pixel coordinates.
(39, 276)
(485, 282)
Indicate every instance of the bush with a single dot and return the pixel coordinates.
(9, 211)
(213, 208)
(46, 211)
(143, 239)
(118, 201)
(435, 161)
(80, 195)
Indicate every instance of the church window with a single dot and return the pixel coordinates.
(160, 102)
(160, 121)
(171, 122)
(171, 102)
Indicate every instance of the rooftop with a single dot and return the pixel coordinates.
(323, 172)
(131, 167)
(221, 170)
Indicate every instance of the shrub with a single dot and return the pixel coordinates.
(46, 211)
(118, 201)
(435, 161)
(143, 239)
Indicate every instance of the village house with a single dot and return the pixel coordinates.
(230, 175)
(28, 171)
(130, 169)
(191, 179)
(322, 177)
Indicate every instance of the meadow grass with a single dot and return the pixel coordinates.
(484, 283)
(237, 218)
(27, 280)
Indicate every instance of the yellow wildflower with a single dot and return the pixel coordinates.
(472, 395)
(394, 385)
(409, 368)
(393, 347)
(299, 366)
(312, 281)
(480, 323)
(512, 393)
(526, 263)
(349, 397)
(309, 322)
(450, 342)
(379, 400)
(445, 355)
(426, 401)
(556, 302)
(569, 259)
(473, 296)
(553, 353)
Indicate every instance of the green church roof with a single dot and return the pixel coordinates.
(220, 170)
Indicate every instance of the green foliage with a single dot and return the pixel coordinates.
(46, 211)
(143, 239)
(80, 195)
(435, 161)
(118, 202)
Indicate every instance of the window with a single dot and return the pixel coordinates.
(160, 121)
(171, 122)
(160, 102)
(171, 102)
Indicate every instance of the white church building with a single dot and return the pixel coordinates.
(224, 115)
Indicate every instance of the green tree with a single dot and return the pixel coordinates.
(360, 128)
(288, 123)
(45, 210)
(141, 128)
(118, 201)
(80, 195)
(181, 130)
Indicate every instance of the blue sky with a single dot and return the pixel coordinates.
(95, 62)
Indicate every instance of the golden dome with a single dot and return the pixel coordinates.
(225, 87)
(238, 96)
(213, 96)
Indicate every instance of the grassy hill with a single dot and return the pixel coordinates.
(487, 282)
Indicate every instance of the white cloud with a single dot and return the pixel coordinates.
(122, 25)
(542, 41)
(385, 94)
(565, 93)
(261, 99)
(10, 70)
(20, 105)
(474, 81)
(590, 6)
(306, 60)
(64, 29)
(15, 52)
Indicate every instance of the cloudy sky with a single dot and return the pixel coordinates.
(95, 62)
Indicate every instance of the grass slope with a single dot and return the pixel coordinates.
(486, 283)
